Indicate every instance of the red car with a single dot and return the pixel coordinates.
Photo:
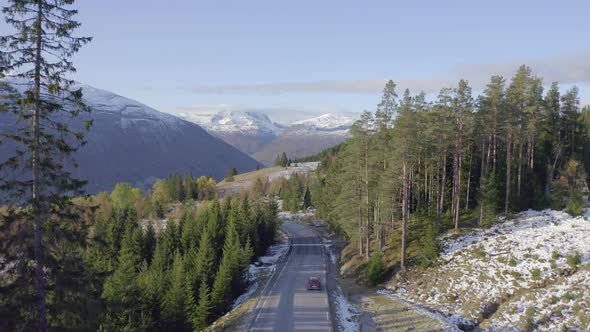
(314, 284)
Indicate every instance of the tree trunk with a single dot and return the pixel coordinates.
(468, 179)
(405, 193)
(508, 167)
(455, 178)
(368, 229)
(481, 177)
(360, 227)
(519, 175)
(38, 208)
(458, 202)
(442, 190)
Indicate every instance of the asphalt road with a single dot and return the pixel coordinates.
(286, 304)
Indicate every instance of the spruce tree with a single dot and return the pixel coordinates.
(121, 288)
(221, 297)
(190, 187)
(202, 314)
(174, 299)
(37, 54)
(149, 243)
(204, 266)
(307, 199)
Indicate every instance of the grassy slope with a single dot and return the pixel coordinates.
(251, 176)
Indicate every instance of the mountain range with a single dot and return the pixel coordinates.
(131, 142)
(254, 133)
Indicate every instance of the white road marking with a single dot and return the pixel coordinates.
(273, 285)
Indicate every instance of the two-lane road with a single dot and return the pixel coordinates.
(286, 304)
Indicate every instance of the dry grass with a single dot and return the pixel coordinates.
(385, 313)
(250, 176)
(235, 320)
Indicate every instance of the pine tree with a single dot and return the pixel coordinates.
(37, 54)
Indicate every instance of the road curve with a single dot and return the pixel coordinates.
(286, 304)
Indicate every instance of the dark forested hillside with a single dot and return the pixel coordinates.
(416, 168)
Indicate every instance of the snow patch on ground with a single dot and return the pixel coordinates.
(346, 312)
(516, 273)
(256, 273)
(298, 168)
(251, 289)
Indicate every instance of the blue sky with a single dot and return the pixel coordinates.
(320, 55)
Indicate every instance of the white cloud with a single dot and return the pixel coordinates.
(564, 69)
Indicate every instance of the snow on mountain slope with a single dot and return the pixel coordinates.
(131, 142)
(243, 122)
(327, 123)
(256, 134)
(529, 273)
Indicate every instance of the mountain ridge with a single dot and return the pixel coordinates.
(297, 139)
(132, 142)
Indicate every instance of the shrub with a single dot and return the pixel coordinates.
(536, 274)
(529, 322)
(376, 269)
(555, 255)
(575, 206)
(512, 262)
(480, 252)
(574, 260)
(430, 245)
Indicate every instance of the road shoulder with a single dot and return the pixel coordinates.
(367, 309)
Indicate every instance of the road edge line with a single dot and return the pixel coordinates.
(272, 276)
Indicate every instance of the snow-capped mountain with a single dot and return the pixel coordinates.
(255, 133)
(131, 142)
(307, 137)
(333, 124)
(244, 122)
(247, 131)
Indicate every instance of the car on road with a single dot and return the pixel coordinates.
(314, 284)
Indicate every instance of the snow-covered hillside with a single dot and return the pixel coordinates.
(529, 273)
